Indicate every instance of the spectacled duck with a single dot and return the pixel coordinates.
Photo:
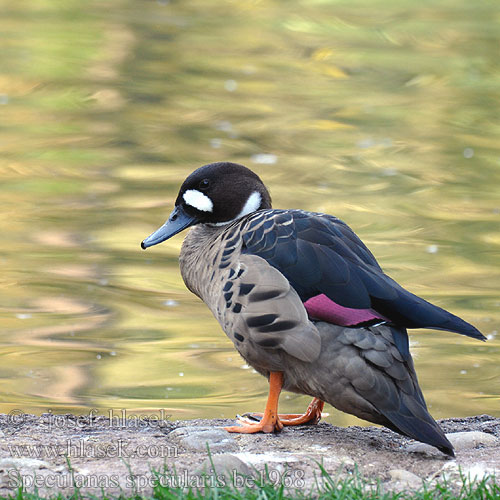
(305, 303)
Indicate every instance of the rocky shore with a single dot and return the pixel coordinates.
(58, 453)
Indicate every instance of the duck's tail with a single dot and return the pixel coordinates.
(414, 312)
(418, 424)
(361, 371)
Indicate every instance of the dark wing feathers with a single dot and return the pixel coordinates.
(338, 267)
(319, 254)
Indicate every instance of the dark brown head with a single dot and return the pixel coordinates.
(215, 194)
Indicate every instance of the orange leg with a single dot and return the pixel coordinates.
(270, 421)
(311, 416)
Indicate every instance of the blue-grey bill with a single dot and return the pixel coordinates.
(177, 221)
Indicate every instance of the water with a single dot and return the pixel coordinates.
(384, 115)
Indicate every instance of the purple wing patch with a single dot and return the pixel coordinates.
(322, 308)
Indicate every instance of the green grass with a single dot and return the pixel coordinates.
(265, 488)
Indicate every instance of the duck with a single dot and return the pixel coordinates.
(305, 303)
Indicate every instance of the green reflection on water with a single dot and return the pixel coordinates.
(384, 115)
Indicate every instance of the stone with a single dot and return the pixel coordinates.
(471, 439)
(227, 468)
(478, 471)
(405, 479)
(198, 438)
(423, 448)
(460, 440)
(267, 457)
(23, 463)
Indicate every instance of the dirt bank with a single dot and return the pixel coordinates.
(54, 453)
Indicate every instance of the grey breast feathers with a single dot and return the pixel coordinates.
(263, 314)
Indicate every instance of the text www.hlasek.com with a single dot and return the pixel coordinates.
(84, 448)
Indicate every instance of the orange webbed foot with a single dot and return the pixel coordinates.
(268, 423)
(312, 415)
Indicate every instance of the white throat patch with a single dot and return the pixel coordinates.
(251, 205)
(198, 200)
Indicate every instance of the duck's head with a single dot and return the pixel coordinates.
(215, 194)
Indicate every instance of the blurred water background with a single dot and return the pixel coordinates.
(382, 113)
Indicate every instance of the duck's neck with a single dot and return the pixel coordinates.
(198, 251)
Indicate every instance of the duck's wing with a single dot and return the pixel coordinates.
(262, 313)
(320, 255)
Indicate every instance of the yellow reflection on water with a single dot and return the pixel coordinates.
(385, 116)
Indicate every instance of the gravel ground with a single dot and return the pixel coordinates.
(54, 453)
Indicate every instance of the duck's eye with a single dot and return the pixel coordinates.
(204, 184)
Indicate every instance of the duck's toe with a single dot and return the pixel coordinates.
(250, 423)
(312, 415)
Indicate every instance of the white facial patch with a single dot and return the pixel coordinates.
(251, 205)
(198, 200)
